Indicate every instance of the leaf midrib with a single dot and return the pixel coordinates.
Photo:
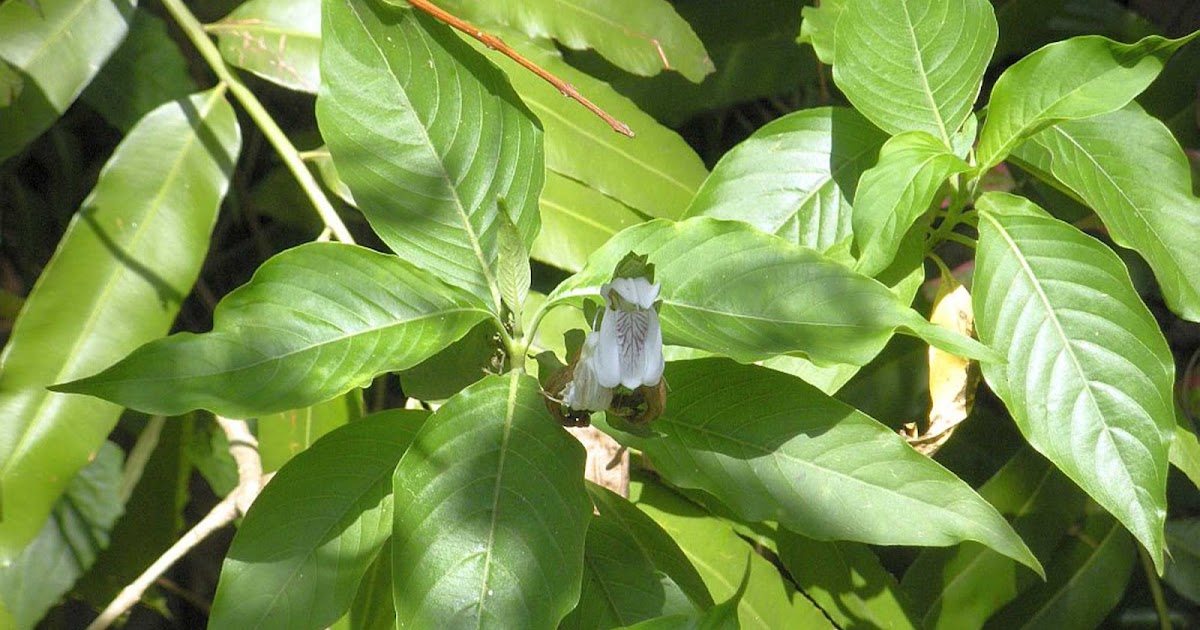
(509, 415)
(93, 318)
(924, 75)
(464, 217)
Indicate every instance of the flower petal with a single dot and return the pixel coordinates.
(606, 356)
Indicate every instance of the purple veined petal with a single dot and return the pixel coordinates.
(633, 329)
(606, 360)
(652, 369)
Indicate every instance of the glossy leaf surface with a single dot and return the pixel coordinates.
(429, 137)
(116, 281)
(334, 501)
(731, 289)
(1089, 375)
(640, 36)
(56, 49)
(655, 173)
(914, 66)
(1128, 167)
(490, 513)
(1069, 80)
(576, 221)
(314, 322)
(816, 466)
(894, 193)
(794, 177)
(278, 40)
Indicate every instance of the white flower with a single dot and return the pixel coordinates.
(629, 351)
(584, 392)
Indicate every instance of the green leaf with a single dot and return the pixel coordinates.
(628, 566)
(454, 367)
(641, 36)
(146, 71)
(846, 580)
(1077, 78)
(896, 192)
(513, 274)
(314, 322)
(110, 287)
(372, 608)
(576, 220)
(11, 84)
(1085, 581)
(719, 554)
(655, 173)
(786, 298)
(1128, 167)
(281, 436)
(68, 543)
(56, 51)
(1089, 375)
(278, 40)
(1183, 567)
(916, 65)
(308, 539)
(795, 177)
(490, 513)
(819, 27)
(429, 137)
(963, 586)
(817, 466)
(1185, 453)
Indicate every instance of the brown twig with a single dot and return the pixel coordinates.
(495, 43)
(243, 447)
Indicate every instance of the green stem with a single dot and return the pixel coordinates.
(1156, 590)
(208, 50)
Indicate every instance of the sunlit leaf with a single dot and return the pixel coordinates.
(146, 71)
(641, 36)
(334, 503)
(731, 289)
(795, 177)
(916, 65)
(430, 139)
(819, 28)
(576, 220)
(1089, 375)
(894, 193)
(1128, 167)
(56, 51)
(279, 40)
(816, 466)
(314, 322)
(111, 286)
(68, 543)
(490, 513)
(1069, 80)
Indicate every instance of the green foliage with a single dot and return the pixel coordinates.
(795, 450)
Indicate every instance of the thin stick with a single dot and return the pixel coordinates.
(244, 449)
(495, 43)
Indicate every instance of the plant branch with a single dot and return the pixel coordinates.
(195, 32)
(495, 43)
(1156, 590)
(243, 447)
